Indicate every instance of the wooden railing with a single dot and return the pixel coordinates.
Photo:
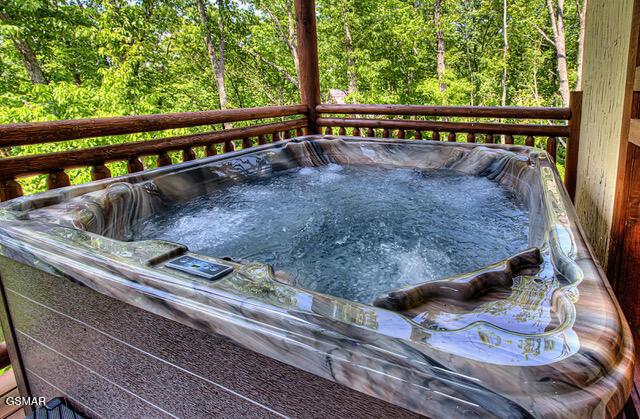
(54, 164)
(566, 124)
(411, 121)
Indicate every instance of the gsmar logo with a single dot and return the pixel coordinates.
(25, 401)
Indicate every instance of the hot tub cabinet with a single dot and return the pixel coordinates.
(105, 323)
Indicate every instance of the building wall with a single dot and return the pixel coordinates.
(110, 359)
(605, 75)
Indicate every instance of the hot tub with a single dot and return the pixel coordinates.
(317, 276)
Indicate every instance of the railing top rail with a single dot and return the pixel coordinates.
(460, 127)
(514, 112)
(41, 163)
(52, 131)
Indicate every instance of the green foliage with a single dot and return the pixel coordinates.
(121, 57)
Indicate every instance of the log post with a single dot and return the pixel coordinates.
(451, 137)
(100, 171)
(9, 189)
(471, 137)
(57, 179)
(308, 59)
(134, 165)
(508, 139)
(385, 133)
(401, 134)
(164, 159)
(418, 135)
(228, 147)
(530, 141)
(262, 140)
(371, 132)
(246, 143)
(188, 154)
(551, 148)
(210, 150)
(573, 144)
(328, 131)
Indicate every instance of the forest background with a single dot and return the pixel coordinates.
(90, 58)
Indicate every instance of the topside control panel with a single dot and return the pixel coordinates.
(198, 267)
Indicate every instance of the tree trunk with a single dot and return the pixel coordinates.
(536, 94)
(439, 45)
(505, 50)
(348, 44)
(30, 61)
(293, 37)
(29, 58)
(557, 25)
(216, 57)
(582, 17)
(287, 35)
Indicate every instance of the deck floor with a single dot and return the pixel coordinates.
(8, 388)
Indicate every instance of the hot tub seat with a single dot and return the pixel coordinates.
(576, 358)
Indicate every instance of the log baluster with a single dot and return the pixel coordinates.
(287, 134)
(58, 179)
(386, 133)
(435, 136)
(401, 134)
(452, 137)
(210, 150)
(228, 147)
(262, 139)
(530, 141)
(471, 137)
(417, 135)
(299, 132)
(371, 132)
(246, 143)
(342, 131)
(328, 131)
(9, 189)
(551, 147)
(508, 139)
(100, 171)
(134, 165)
(355, 132)
(188, 154)
(164, 159)
(488, 139)
(275, 137)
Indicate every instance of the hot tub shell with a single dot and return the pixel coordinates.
(348, 358)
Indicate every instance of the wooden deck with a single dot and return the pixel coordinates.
(8, 388)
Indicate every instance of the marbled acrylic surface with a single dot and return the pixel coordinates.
(541, 339)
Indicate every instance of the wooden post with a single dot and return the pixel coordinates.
(57, 179)
(9, 189)
(100, 171)
(164, 159)
(308, 59)
(573, 144)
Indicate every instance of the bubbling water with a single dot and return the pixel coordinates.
(353, 232)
